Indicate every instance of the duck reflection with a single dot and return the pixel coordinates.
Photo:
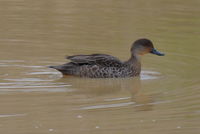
(102, 86)
(112, 88)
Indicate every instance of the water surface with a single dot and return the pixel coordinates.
(36, 99)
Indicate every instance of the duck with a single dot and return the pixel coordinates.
(107, 66)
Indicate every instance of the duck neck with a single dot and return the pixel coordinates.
(134, 62)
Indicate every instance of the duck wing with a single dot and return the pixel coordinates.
(96, 59)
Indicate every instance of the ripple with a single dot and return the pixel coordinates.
(6, 83)
(116, 99)
(107, 106)
(11, 61)
(42, 73)
(33, 85)
(27, 79)
(16, 65)
(11, 115)
(38, 90)
(23, 86)
(120, 105)
(29, 66)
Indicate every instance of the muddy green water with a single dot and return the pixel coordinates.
(37, 100)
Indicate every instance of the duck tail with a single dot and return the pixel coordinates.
(54, 67)
(59, 68)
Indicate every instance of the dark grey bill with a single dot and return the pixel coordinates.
(154, 51)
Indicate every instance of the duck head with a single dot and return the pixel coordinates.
(144, 46)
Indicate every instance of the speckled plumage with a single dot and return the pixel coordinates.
(106, 66)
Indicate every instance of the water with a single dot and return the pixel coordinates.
(36, 99)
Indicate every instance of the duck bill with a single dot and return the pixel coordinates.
(156, 52)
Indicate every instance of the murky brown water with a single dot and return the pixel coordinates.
(36, 99)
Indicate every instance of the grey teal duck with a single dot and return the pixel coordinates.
(107, 66)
